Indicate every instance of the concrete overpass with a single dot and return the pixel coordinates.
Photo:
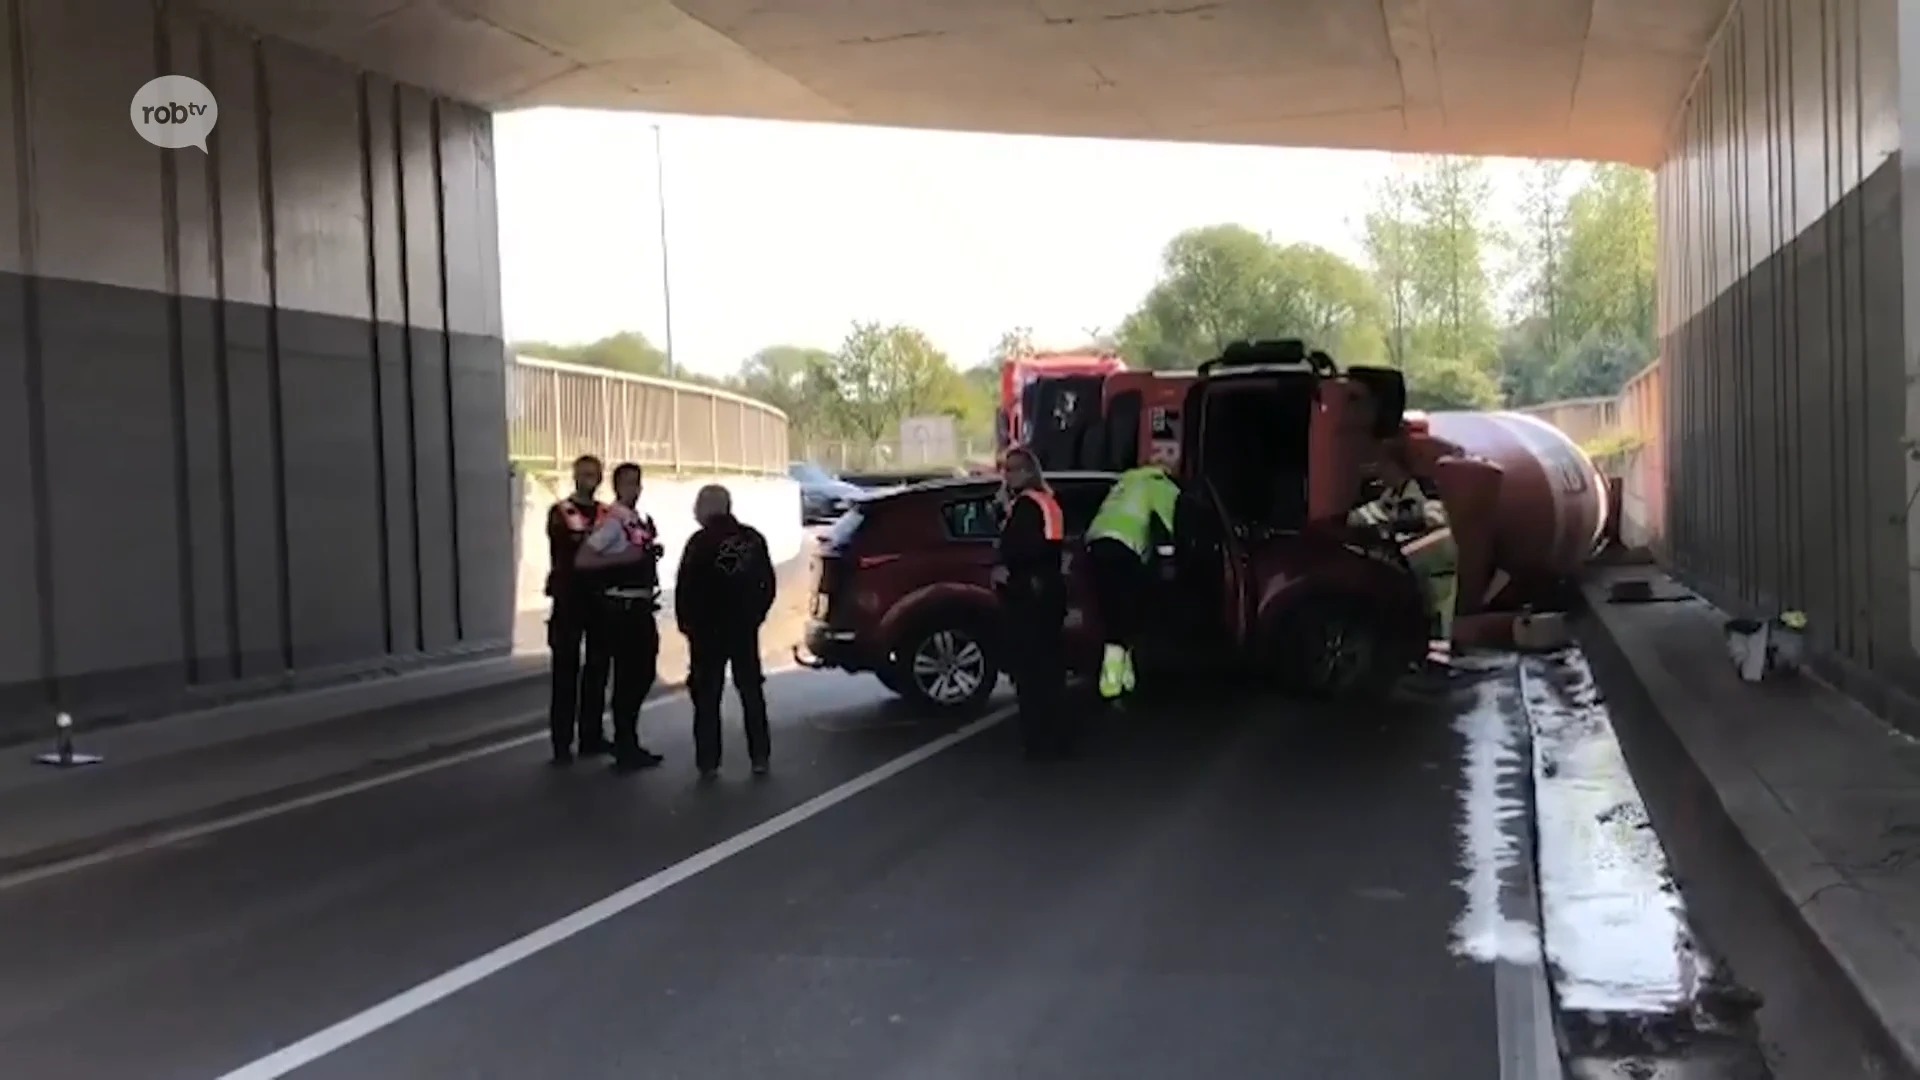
(253, 425)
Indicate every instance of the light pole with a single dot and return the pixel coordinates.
(666, 276)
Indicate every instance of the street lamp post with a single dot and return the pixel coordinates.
(666, 276)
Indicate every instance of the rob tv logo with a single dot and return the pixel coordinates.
(174, 111)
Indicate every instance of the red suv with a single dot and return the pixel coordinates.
(904, 588)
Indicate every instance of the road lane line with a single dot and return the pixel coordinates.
(170, 837)
(351, 1030)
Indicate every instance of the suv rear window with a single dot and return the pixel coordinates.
(971, 519)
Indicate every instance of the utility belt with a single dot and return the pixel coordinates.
(630, 598)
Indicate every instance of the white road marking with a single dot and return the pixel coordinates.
(201, 830)
(397, 1008)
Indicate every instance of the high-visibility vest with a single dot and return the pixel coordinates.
(1127, 513)
(1051, 519)
(578, 519)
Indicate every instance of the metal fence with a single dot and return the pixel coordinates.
(556, 412)
(851, 455)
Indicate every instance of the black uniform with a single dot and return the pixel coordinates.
(578, 700)
(628, 598)
(1034, 600)
(723, 593)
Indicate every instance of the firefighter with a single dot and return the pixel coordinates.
(578, 699)
(622, 557)
(1404, 509)
(1133, 523)
(1033, 597)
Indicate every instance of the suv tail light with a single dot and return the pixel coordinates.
(866, 562)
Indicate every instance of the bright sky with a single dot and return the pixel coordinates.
(781, 233)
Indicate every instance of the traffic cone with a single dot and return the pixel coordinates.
(64, 756)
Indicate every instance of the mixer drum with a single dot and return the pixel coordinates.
(1552, 507)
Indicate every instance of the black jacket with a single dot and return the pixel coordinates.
(726, 580)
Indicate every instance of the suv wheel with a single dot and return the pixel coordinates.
(945, 666)
(1332, 647)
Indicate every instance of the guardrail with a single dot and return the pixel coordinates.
(1624, 434)
(557, 411)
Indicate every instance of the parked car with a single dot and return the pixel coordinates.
(823, 496)
(904, 591)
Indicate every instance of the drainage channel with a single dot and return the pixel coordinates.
(1637, 994)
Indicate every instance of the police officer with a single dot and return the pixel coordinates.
(1404, 509)
(1033, 599)
(1133, 523)
(579, 690)
(622, 556)
(724, 590)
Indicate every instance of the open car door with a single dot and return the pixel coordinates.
(1340, 442)
(1210, 548)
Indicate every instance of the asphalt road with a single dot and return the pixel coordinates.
(1236, 891)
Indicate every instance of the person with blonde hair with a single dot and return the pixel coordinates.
(722, 595)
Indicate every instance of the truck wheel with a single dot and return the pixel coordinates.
(945, 665)
(1332, 647)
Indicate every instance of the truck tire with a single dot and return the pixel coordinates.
(945, 664)
(1332, 647)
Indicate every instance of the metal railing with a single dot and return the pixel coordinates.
(556, 412)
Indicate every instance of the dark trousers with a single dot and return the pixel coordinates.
(1037, 660)
(1119, 588)
(633, 639)
(710, 654)
(579, 695)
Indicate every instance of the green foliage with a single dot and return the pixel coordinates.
(1451, 383)
(882, 375)
(627, 351)
(1224, 283)
(1588, 274)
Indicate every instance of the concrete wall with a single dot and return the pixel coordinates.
(768, 503)
(1783, 333)
(251, 403)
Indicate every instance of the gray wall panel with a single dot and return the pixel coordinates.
(1783, 362)
(427, 385)
(22, 657)
(261, 336)
(107, 383)
(387, 253)
(328, 437)
(476, 389)
(246, 358)
(202, 404)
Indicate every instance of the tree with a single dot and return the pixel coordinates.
(627, 351)
(1015, 342)
(1610, 257)
(1446, 266)
(794, 379)
(1450, 382)
(1542, 246)
(1388, 238)
(882, 375)
(1225, 283)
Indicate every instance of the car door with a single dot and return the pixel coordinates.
(1340, 441)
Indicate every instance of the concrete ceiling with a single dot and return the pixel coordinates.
(1595, 79)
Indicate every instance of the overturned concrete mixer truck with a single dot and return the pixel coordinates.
(1275, 444)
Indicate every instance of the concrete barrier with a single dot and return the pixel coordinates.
(768, 503)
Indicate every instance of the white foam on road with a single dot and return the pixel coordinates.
(1617, 937)
(1489, 846)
